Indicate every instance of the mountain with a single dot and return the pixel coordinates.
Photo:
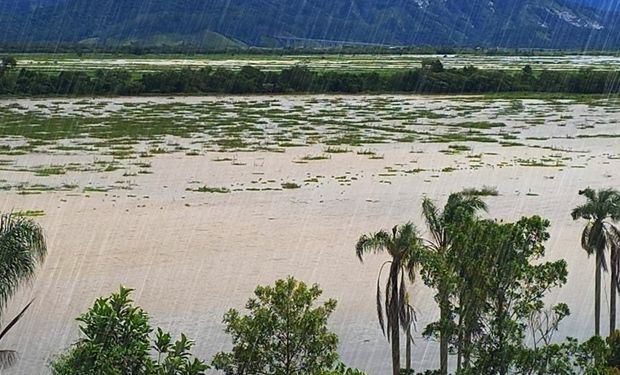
(601, 4)
(581, 24)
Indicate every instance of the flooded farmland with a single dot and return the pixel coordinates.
(357, 62)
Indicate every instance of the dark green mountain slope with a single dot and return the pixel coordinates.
(489, 23)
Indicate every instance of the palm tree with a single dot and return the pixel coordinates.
(22, 248)
(401, 245)
(458, 210)
(601, 209)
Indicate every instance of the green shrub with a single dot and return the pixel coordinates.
(116, 342)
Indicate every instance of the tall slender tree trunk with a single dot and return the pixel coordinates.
(443, 339)
(408, 350)
(613, 291)
(597, 294)
(395, 323)
(460, 346)
(459, 354)
(395, 350)
(466, 349)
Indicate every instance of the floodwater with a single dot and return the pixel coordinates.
(191, 254)
(351, 62)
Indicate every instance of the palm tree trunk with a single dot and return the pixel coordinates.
(395, 326)
(597, 294)
(443, 339)
(613, 290)
(408, 351)
(395, 339)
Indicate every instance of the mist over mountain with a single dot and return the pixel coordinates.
(579, 24)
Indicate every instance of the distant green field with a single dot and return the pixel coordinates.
(55, 62)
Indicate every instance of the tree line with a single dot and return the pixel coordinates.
(430, 78)
(490, 279)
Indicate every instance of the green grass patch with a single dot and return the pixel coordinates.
(290, 185)
(485, 191)
(209, 189)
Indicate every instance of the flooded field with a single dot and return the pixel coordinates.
(323, 62)
(193, 201)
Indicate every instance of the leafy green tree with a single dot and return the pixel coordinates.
(22, 249)
(342, 369)
(441, 272)
(116, 342)
(513, 280)
(566, 358)
(402, 246)
(601, 210)
(7, 63)
(432, 65)
(613, 341)
(174, 358)
(297, 78)
(285, 333)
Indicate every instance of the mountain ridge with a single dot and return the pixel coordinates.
(268, 23)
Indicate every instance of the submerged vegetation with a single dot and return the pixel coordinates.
(490, 278)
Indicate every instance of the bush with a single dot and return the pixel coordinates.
(284, 333)
(116, 342)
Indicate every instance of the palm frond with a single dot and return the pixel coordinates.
(585, 239)
(375, 243)
(615, 262)
(614, 233)
(597, 241)
(408, 316)
(402, 296)
(411, 264)
(585, 211)
(460, 205)
(615, 207)
(406, 238)
(410, 321)
(379, 304)
(607, 195)
(410, 247)
(7, 358)
(589, 193)
(15, 320)
(476, 203)
(26, 232)
(22, 248)
(432, 217)
(388, 302)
